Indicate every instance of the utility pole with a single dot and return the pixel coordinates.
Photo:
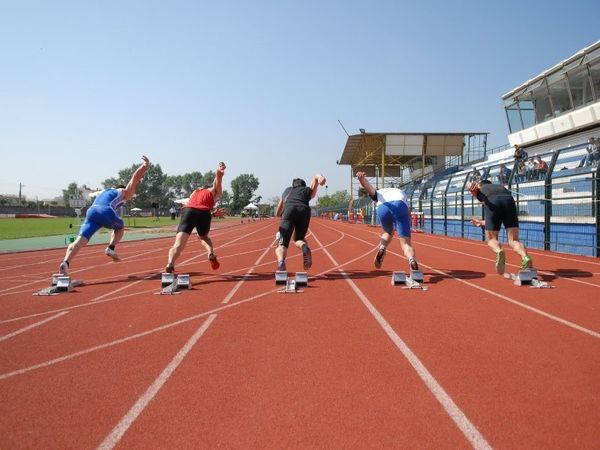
(21, 185)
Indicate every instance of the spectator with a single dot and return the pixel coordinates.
(521, 172)
(173, 212)
(504, 174)
(529, 168)
(541, 168)
(593, 154)
(520, 154)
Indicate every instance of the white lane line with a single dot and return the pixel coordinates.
(500, 296)
(246, 275)
(469, 430)
(33, 325)
(121, 428)
(157, 329)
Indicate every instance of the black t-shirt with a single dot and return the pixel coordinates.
(296, 196)
(487, 190)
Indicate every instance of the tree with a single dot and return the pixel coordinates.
(335, 199)
(243, 187)
(71, 189)
(152, 188)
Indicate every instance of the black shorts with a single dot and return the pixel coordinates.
(294, 219)
(498, 210)
(195, 218)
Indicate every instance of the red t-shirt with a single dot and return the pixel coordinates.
(202, 199)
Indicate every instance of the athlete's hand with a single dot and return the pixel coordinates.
(360, 175)
(321, 179)
(219, 212)
(221, 168)
(146, 161)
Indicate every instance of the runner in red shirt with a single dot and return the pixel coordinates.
(198, 214)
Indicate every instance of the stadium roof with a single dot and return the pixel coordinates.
(397, 149)
(583, 56)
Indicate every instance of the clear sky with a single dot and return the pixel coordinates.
(87, 86)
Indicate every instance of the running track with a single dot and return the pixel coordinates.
(351, 362)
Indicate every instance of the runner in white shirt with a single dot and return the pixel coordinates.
(393, 211)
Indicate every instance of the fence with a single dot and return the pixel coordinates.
(556, 201)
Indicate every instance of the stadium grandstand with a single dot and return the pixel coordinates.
(553, 118)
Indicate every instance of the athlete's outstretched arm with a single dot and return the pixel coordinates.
(365, 183)
(317, 180)
(137, 176)
(217, 186)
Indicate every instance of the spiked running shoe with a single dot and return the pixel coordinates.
(63, 269)
(169, 268)
(306, 257)
(281, 266)
(214, 262)
(526, 263)
(500, 262)
(111, 253)
(379, 257)
(413, 264)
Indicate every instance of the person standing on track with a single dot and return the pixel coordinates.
(197, 213)
(103, 213)
(392, 210)
(295, 213)
(499, 208)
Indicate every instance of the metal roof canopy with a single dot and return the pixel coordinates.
(385, 154)
(587, 54)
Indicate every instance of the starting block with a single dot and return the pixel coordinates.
(60, 283)
(171, 284)
(528, 277)
(290, 286)
(183, 281)
(411, 282)
(417, 275)
(398, 278)
(301, 279)
(281, 277)
(167, 279)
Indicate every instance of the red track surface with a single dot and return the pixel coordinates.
(350, 362)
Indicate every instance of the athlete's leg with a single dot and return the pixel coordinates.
(181, 239)
(116, 237)
(513, 240)
(72, 250)
(494, 244)
(409, 252)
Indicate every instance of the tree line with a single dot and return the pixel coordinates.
(159, 188)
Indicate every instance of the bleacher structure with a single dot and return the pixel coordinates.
(551, 116)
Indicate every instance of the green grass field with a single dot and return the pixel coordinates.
(24, 228)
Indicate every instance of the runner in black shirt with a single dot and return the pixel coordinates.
(499, 208)
(295, 217)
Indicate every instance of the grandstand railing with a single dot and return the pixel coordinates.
(558, 206)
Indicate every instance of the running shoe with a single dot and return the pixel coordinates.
(113, 254)
(306, 257)
(169, 268)
(500, 262)
(281, 266)
(214, 262)
(526, 263)
(379, 257)
(413, 264)
(63, 269)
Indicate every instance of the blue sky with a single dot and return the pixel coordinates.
(86, 87)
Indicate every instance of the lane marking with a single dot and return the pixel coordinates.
(121, 428)
(458, 417)
(157, 329)
(496, 294)
(246, 275)
(33, 325)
